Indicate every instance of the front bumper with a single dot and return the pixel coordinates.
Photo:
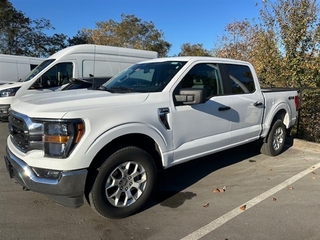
(4, 112)
(67, 190)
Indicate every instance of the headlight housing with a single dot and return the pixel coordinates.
(9, 92)
(59, 138)
(56, 138)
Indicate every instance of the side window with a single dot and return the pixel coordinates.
(65, 72)
(33, 66)
(57, 75)
(241, 79)
(203, 76)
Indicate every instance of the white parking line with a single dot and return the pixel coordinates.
(235, 212)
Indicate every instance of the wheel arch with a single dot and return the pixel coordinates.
(273, 113)
(281, 114)
(142, 141)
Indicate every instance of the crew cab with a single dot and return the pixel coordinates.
(108, 144)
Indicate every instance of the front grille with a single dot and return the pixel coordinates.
(25, 133)
(19, 132)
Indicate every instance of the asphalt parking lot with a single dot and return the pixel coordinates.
(236, 194)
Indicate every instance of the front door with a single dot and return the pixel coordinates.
(204, 128)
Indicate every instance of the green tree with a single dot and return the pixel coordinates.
(56, 43)
(131, 32)
(13, 27)
(20, 35)
(193, 50)
(79, 38)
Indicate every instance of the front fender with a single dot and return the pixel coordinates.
(130, 128)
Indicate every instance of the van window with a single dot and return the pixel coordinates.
(56, 76)
(36, 70)
(33, 66)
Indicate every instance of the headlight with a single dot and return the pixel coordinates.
(10, 92)
(60, 137)
(56, 138)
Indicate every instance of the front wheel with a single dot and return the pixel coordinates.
(123, 184)
(275, 140)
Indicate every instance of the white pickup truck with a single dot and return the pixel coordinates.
(108, 144)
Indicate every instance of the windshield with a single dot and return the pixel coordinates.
(36, 70)
(144, 77)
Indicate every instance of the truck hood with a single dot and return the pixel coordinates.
(10, 85)
(57, 104)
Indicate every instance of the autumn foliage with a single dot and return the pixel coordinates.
(284, 46)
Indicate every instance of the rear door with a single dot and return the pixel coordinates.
(247, 101)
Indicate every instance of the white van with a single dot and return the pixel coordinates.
(86, 60)
(13, 68)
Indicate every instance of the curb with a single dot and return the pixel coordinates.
(306, 145)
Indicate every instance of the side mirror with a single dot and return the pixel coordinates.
(189, 96)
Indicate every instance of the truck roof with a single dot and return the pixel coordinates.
(198, 58)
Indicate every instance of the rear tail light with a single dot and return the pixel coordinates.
(296, 102)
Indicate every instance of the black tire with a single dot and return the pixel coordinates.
(124, 183)
(273, 144)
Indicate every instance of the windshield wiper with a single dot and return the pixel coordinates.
(118, 89)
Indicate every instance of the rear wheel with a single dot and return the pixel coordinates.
(275, 140)
(123, 184)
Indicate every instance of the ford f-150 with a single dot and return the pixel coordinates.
(107, 144)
